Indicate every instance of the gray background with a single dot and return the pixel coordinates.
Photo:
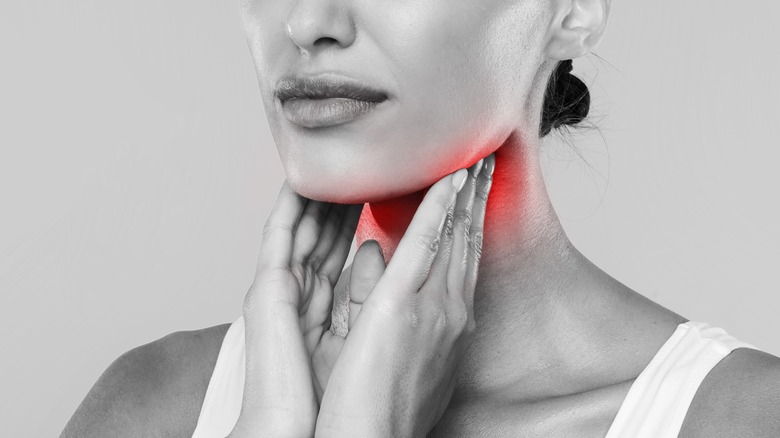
(137, 170)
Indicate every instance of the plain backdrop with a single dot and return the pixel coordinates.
(137, 169)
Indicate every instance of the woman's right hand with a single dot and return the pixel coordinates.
(287, 314)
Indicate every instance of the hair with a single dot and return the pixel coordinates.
(566, 99)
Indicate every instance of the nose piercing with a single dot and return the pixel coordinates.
(289, 29)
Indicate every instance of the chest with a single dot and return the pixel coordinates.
(588, 414)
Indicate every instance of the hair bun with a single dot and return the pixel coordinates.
(565, 67)
(566, 99)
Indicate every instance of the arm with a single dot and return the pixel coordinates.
(152, 390)
(739, 397)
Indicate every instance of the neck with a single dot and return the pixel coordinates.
(526, 257)
(546, 317)
(520, 223)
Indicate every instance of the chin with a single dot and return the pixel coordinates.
(320, 192)
(346, 189)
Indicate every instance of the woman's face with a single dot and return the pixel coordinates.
(456, 75)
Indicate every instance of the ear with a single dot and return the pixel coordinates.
(576, 27)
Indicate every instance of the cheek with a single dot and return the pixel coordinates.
(466, 61)
(454, 103)
(445, 117)
(265, 33)
(447, 110)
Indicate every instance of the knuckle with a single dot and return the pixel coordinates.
(432, 309)
(440, 319)
(313, 260)
(463, 217)
(449, 223)
(470, 325)
(429, 240)
(483, 189)
(475, 242)
(271, 226)
(460, 317)
(450, 317)
(443, 201)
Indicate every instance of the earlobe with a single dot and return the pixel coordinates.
(576, 28)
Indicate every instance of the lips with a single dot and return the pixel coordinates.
(323, 87)
(321, 101)
(318, 113)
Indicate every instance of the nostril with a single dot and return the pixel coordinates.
(326, 41)
(317, 24)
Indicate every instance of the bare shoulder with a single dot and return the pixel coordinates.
(739, 397)
(153, 390)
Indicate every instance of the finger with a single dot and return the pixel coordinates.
(477, 223)
(309, 229)
(334, 260)
(458, 265)
(436, 283)
(330, 231)
(451, 247)
(339, 316)
(276, 246)
(320, 307)
(411, 263)
(324, 359)
(367, 268)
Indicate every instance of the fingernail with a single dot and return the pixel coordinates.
(459, 179)
(490, 165)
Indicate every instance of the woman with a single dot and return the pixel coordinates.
(540, 343)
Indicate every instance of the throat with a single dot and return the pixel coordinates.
(387, 221)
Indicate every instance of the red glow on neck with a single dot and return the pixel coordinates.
(387, 221)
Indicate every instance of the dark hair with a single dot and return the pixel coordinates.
(566, 99)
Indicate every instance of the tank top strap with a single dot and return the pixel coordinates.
(655, 406)
(224, 395)
(659, 398)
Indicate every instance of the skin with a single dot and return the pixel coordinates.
(556, 342)
(421, 305)
(433, 123)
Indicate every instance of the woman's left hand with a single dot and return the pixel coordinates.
(395, 373)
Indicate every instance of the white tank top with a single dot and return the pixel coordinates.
(654, 407)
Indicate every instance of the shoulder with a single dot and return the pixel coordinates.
(739, 397)
(153, 390)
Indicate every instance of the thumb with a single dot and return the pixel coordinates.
(367, 268)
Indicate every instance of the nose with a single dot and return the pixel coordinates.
(317, 24)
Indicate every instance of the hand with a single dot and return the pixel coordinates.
(395, 373)
(287, 311)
